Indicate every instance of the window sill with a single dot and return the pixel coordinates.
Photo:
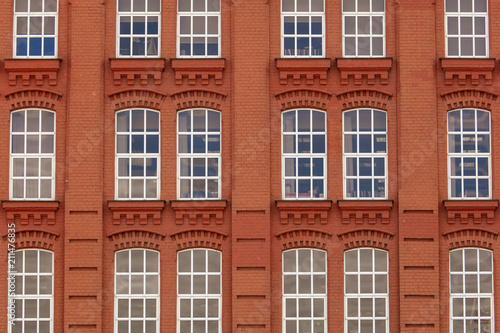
(368, 68)
(473, 68)
(142, 212)
(470, 211)
(360, 211)
(142, 68)
(199, 211)
(36, 212)
(36, 68)
(194, 68)
(310, 68)
(304, 211)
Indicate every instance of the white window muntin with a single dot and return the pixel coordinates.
(199, 154)
(302, 21)
(471, 291)
(303, 147)
(366, 298)
(32, 155)
(356, 161)
(35, 29)
(132, 156)
(466, 29)
(199, 291)
(198, 30)
(304, 290)
(469, 154)
(138, 26)
(363, 28)
(34, 294)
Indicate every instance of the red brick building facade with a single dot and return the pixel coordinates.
(414, 188)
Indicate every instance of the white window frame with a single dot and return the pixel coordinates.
(295, 277)
(194, 14)
(191, 156)
(357, 15)
(469, 155)
(476, 299)
(295, 14)
(143, 297)
(355, 275)
(131, 155)
(371, 155)
(146, 35)
(459, 15)
(25, 156)
(205, 297)
(19, 272)
(298, 155)
(18, 15)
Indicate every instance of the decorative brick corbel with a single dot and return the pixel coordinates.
(136, 212)
(370, 211)
(471, 211)
(31, 212)
(304, 211)
(199, 211)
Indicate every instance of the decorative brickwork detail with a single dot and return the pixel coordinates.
(471, 69)
(137, 98)
(471, 211)
(469, 99)
(127, 239)
(198, 70)
(303, 238)
(38, 98)
(136, 212)
(364, 70)
(364, 211)
(31, 212)
(470, 237)
(199, 212)
(198, 238)
(304, 212)
(26, 69)
(296, 69)
(366, 237)
(34, 239)
(303, 98)
(197, 98)
(143, 69)
(364, 99)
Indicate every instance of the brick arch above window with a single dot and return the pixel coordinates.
(366, 238)
(303, 98)
(33, 98)
(134, 238)
(40, 239)
(195, 238)
(299, 238)
(470, 238)
(366, 98)
(137, 98)
(198, 98)
(469, 98)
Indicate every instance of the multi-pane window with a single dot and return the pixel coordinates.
(302, 33)
(366, 291)
(466, 26)
(198, 154)
(35, 28)
(137, 291)
(304, 291)
(304, 154)
(32, 157)
(33, 299)
(198, 28)
(469, 154)
(137, 154)
(138, 33)
(199, 293)
(363, 28)
(471, 290)
(365, 154)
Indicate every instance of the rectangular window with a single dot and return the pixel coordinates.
(466, 27)
(363, 28)
(35, 28)
(198, 28)
(138, 28)
(302, 28)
